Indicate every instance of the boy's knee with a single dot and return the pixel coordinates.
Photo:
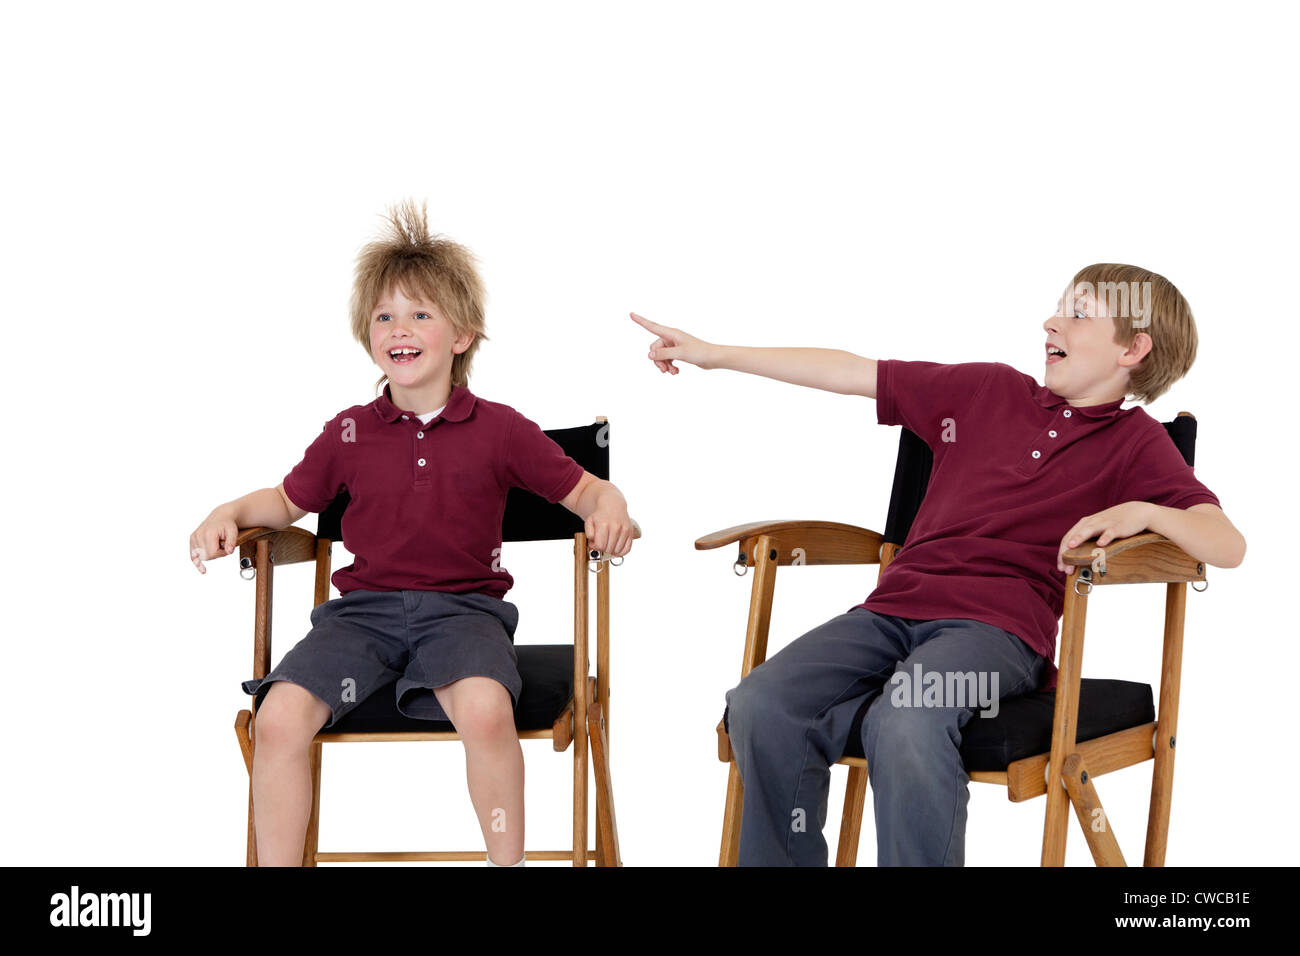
(481, 707)
(290, 715)
(750, 705)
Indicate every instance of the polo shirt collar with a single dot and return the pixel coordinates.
(459, 404)
(1049, 399)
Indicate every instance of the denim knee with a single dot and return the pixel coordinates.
(753, 708)
(909, 737)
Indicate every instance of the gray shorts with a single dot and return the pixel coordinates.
(365, 640)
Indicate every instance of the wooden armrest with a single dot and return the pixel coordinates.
(1145, 558)
(801, 542)
(288, 545)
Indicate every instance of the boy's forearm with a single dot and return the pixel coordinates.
(833, 370)
(263, 508)
(1205, 536)
(599, 494)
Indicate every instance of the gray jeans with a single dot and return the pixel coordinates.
(790, 719)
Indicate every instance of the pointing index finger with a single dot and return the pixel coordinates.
(646, 323)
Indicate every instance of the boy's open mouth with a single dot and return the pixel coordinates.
(403, 356)
(1055, 355)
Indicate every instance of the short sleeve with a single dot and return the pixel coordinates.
(535, 462)
(318, 479)
(1157, 472)
(920, 395)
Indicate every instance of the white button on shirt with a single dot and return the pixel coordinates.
(1052, 433)
(1037, 453)
(1067, 413)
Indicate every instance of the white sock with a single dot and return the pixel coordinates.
(520, 863)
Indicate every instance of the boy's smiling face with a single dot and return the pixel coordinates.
(1095, 368)
(414, 342)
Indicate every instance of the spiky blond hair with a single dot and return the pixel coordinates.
(425, 266)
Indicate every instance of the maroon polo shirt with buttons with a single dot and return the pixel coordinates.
(427, 500)
(1015, 466)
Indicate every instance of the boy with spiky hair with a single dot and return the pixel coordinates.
(1021, 473)
(427, 465)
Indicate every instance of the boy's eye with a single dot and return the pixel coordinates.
(423, 315)
(381, 317)
(1078, 314)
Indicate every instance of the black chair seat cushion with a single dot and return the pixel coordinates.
(547, 674)
(1023, 726)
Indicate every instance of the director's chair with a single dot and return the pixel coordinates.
(1084, 728)
(559, 700)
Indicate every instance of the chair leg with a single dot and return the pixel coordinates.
(1162, 775)
(243, 732)
(596, 758)
(606, 824)
(730, 851)
(1162, 788)
(251, 859)
(313, 821)
(579, 798)
(855, 801)
(1092, 816)
(1056, 822)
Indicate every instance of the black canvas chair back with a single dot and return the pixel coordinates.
(912, 474)
(527, 517)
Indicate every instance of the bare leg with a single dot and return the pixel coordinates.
(483, 715)
(290, 716)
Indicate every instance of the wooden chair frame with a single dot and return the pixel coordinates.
(264, 549)
(1145, 558)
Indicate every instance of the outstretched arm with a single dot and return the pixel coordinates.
(833, 370)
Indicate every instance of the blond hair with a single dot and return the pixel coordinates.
(1163, 314)
(425, 266)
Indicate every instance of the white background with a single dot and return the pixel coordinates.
(185, 189)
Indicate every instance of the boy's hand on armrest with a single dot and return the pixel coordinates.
(603, 510)
(609, 528)
(1121, 521)
(214, 538)
(264, 508)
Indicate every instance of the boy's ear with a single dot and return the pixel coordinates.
(462, 343)
(1136, 352)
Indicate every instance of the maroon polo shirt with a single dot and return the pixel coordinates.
(1015, 466)
(427, 500)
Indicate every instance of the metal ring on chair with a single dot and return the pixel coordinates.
(246, 564)
(740, 563)
(1085, 577)
(616, 560)
(1200, 590)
